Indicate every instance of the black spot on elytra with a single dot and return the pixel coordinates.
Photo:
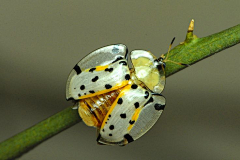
(123, 63)
(95, 79)
(136, 105)
(91, 91)
(123, 115)
(71, 98)
(109, 115)
(129, 138)
(149, 101)
(82, 87)
(111, 127)
(119, 58)
(77, 69)
(146, 95)
(134, 86)
(79, 95)
(127, 77)
(120, 101)
(109, 69)
(131, 122)
(92, 69)
(98, 138)
(108, 86)
(103, 130)
(110, 134)
(159, 107)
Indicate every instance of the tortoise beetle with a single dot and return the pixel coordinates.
(122, 103)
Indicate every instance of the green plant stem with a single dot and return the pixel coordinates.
(192, 50)
(28, 139)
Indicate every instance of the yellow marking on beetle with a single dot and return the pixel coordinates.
(134, 117)
(125, 89)
(117, 86)
(98, 68)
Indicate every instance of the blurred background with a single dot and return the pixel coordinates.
(41, 41)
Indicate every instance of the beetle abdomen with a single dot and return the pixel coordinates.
(94, 109)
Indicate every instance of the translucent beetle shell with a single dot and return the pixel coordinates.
(122, 103)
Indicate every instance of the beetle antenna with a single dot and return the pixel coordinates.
(165, 59)
(170, 46)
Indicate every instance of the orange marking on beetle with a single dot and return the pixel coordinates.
(134, 117)
(125, 89)
(98, 68)
(119, 85)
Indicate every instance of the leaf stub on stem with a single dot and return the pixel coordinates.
(194, 49)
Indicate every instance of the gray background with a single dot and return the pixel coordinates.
(41, 41)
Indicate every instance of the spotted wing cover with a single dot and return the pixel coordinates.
(148, 116)
(99, 80)
(92, 66)
(123, 115)
(148, 70)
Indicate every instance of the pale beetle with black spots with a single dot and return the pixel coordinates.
(122, 103)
